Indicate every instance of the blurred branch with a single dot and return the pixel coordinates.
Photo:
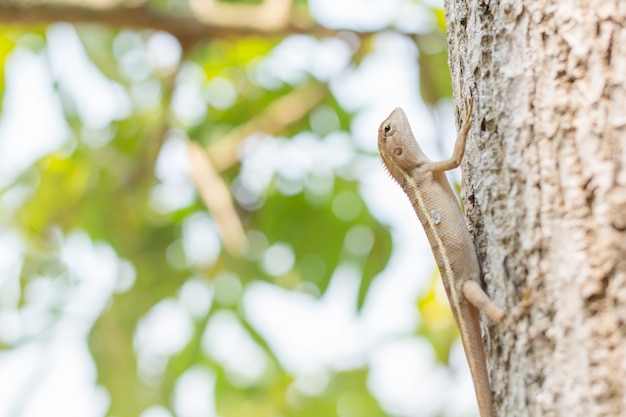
(217, 199)
(205, 165)
(269, 15)
(212, 20)
(272, 120)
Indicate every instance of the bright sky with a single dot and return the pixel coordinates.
(54, 375)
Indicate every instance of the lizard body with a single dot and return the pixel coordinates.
(425, 183)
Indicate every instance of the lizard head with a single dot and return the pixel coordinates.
(397, 146)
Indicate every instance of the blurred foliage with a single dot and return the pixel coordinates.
(103, 182)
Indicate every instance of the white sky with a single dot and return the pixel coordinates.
(55, 375)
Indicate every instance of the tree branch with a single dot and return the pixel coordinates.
(187, 28)
(279, 114)
(217, 198)
(271, 14)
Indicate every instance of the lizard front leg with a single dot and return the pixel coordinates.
(459, 146)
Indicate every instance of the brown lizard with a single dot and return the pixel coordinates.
(425, 183)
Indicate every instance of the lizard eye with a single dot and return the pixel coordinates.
(397, 151)
(388, 129)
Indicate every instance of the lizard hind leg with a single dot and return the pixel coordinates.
(479, 299)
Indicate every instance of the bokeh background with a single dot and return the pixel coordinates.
(199, 225)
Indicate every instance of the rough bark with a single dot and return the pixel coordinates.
(545, 193)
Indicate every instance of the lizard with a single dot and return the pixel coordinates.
(425, 183)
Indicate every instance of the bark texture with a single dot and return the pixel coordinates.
(545, 194)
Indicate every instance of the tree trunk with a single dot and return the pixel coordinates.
(545, 195)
